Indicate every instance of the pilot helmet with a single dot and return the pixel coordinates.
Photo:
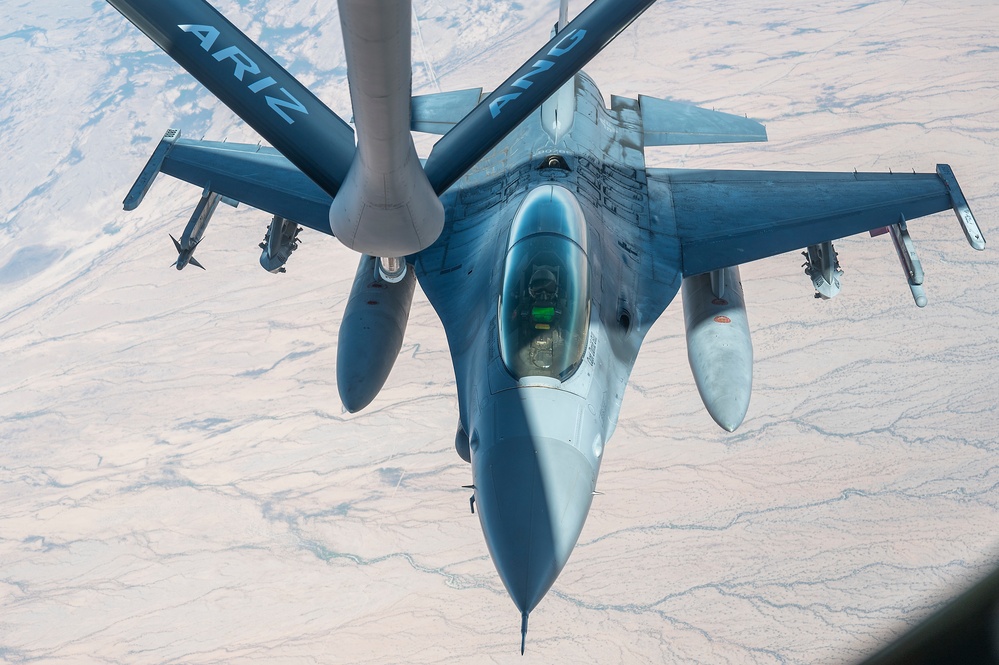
(543, 282)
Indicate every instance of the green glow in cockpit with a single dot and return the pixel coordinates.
(545, 305)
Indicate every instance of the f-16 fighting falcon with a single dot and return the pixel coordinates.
(540, 237)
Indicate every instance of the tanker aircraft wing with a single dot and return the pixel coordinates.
(542, 241)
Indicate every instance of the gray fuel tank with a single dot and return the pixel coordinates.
(719, 347)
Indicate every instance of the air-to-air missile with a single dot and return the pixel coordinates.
(195, 229)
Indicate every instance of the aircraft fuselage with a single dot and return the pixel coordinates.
(544, 319)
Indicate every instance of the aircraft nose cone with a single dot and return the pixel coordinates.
(532, 497)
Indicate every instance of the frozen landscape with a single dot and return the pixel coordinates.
(178, 480)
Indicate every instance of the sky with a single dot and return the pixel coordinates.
(179, 483)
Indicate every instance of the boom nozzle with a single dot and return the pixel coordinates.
(523, 632)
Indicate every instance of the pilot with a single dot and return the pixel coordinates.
(543, 288)
(543, 284)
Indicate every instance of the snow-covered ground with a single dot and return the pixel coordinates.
(178, 481)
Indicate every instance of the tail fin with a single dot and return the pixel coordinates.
(521, 94)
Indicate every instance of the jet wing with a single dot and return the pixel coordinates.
(667, 122)
(727, 218)
(258, 176)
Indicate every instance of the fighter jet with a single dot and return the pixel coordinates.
(544, 243)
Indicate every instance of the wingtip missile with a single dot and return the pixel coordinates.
(149, 171)
(960, 205)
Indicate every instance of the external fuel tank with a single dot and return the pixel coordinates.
(371, 333)
(719, 347)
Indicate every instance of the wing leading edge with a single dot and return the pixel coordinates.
(727, 218)
(258, 176)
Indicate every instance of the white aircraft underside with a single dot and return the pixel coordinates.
(543, 242)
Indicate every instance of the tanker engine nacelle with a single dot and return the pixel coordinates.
(719, 347)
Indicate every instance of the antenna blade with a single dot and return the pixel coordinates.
(521, 94)
(250, 83)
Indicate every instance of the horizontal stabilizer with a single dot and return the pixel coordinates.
(675, 123)
(439, 112)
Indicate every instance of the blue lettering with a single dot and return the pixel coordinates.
(497, 104)
(206, 33)
(576, 36)
(539, 66)
(278, 105)
(243, 63)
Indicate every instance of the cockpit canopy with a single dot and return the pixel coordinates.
(544, 309)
